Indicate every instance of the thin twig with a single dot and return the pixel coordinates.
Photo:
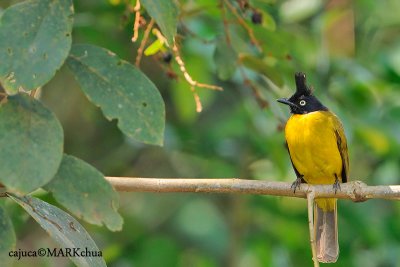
(225, 22)
(199, 106)
(143, 43)
(261, 102)
(193, 84)
(241, 21)
(187, 76)
(136, 24)
(159, 35)
(310, 205)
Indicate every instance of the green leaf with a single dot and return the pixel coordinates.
(165, 13)
(31, 141)
(84, 191)
(7, 237)
(153, 48)
(268, 21)
(35, 38)
(63, 229)
(225, 59)
(121, 90)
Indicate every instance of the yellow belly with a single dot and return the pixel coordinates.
(314, 150)
(313, 146)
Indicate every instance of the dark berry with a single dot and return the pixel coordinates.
(256, 17)
(167, 57)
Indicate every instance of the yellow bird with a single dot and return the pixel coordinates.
(317, 148)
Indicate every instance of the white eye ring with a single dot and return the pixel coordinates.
(302, 102)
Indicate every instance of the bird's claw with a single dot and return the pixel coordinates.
(296, 184)
(336, 185)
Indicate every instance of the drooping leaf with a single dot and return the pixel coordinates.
(165, 13)
(225, 59)
(31, 142)
(83, 190)
(7, 237)
(121, 90)
(35, 38)
(63, 229)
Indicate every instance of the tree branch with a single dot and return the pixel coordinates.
(136, 24)
(356, 191)
(189, 79)
(143, 43)
(310, 205)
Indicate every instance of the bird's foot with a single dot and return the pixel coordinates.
(296, 183)
(336, 185)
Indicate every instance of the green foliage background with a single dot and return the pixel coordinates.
(351, 53)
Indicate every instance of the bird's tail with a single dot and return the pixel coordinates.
(326, 230)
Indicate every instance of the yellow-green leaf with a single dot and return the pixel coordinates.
(153, 48)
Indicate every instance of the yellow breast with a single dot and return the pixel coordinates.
(313, 146)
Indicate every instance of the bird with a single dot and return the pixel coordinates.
(317, 147)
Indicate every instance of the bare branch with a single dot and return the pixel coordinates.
(159, 35)
(136, 24)
(143, 43)
(197, 101)
(256, 92)
(189, 79)
(187, 76)
(225, 21)
(310, 205)
(356, 191)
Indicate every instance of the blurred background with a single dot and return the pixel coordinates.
(350, 51)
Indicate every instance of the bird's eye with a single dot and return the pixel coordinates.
(302, 103)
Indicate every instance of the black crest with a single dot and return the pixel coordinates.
(302, 101)
(301, 85)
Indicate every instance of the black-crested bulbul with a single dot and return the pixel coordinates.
(317, 147)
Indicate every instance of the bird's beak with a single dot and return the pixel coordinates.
(287, 102)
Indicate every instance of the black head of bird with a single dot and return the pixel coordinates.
(302, 101)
